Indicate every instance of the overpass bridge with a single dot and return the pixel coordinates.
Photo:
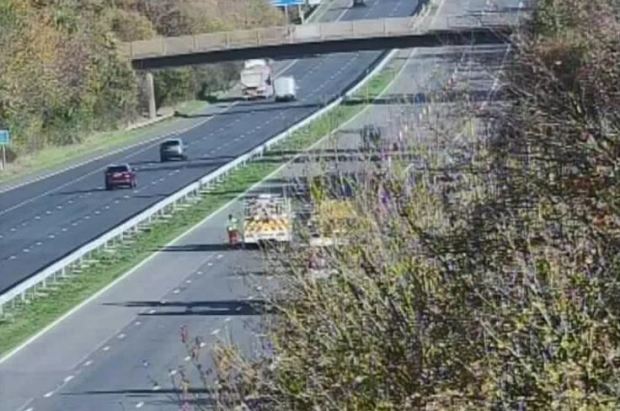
(311, 39)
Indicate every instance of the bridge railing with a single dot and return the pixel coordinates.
(269, 36)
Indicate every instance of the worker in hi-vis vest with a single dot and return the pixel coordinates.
(233, 230)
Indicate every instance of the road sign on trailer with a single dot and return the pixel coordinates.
(5, 137)
(286, 3)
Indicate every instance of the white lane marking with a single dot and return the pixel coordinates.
(52, 236)
(49, 394)
(69, 378)
(152, 311)
(227, 319)
(137, 323)
(188, 281)
(106, 348)
(176, 291)
(219, 256)
(172, 373)
(121, 336)
(13, 229)
(12, 257)
(88, 363)
(199, 272)
(25, 404)
(209, 264)
(156, 387)
(140, 404)
(187, 358)
(38, 243)
(26, 250)
(215, 332)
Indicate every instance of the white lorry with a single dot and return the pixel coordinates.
(285, 88)
(256, 79)
(268, 217)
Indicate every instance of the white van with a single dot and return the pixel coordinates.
(285, 88)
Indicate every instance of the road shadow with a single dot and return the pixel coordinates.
(174, 165)
(216, 100)
(199, 397)
(86, 191)
(195, 248)
(203, 308)
(257, 108)
(472, 96)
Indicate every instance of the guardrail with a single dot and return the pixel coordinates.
(300, 34)
(132, 226)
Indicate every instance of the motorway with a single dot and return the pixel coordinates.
(44, 221)
(121, 350)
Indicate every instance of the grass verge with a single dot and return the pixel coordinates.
(27, 318)
(55, 158)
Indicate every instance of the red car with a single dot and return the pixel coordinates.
(121, 175)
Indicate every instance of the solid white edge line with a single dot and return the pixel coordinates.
(29, 341)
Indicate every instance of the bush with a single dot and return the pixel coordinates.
(486, 283)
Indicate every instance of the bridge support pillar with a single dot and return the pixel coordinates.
(150, 94)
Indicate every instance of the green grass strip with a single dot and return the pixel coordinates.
(27, 318)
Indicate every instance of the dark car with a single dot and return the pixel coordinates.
(358, 3)
(172, 149)
(120, 176)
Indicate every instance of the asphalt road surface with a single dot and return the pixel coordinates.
(120, 351)
(43, 221)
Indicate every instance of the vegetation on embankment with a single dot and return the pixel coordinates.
(62, 78)
(487, 282)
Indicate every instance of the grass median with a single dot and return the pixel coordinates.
(28, 317)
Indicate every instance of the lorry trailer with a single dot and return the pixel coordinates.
(256, 79)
